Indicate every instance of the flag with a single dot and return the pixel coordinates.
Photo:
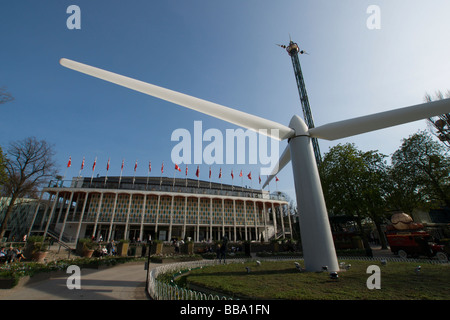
(250, 175)
(135, 166)
(69, 164)
(240, 174)
(82, 164)
(121, 168)
(162, 167)
(232, 175)
(197, 173)
(107, 165)
(276, 179)
(220, 173)
(177, 167)
(259, 179)
(93, 166)
(209, 172)
(186, 169)
(149, 166)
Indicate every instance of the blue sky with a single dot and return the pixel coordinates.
(224, 52)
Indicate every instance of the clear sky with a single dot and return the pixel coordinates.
(222, 51)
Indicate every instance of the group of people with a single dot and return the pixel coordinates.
(177, 243)
(11, 254)
(108, 250)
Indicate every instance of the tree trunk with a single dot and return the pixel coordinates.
(381, 235)
(363, 236)
(7, 214)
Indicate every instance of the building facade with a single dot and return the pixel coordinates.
(143, 208)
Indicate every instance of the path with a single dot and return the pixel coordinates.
(121, 282)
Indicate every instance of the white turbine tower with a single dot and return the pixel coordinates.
(317, 241)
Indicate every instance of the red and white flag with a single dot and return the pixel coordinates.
(186, 169)
(82, 164)
(121, 168)
(177, 167)
(240, 174)
(149, 166)
(209, 172)
(220, 173)
(69, 164)
(135, 166)
(93, 166)
(276, 178)
(162, 167)
(197, 173)
(232, 175)
(250, 175)
(107, 165)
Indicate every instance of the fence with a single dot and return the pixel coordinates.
(160, 290)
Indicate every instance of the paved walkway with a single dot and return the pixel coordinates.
(121, 282)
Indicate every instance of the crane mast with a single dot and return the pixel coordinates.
(293, 51)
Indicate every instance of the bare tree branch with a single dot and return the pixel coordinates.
(5, 96)
(28, 165)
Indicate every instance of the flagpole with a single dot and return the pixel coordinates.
(82, 166)
(198, 178)
(173, 185)
(106, 176)
(121, 170)
(160, 179)
(93, 168)
(242, 180)
(69, 164)
(148, 175)
(232, 180)
(134, 175)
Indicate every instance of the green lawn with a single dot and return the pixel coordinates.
(281, 280)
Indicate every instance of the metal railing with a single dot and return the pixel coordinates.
(160, 290)
(178, 187)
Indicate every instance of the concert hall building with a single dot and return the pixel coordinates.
(141, 208)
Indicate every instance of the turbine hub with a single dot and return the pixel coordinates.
(299, 126)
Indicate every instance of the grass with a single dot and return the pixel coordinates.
(281, 280)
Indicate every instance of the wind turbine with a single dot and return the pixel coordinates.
(317, 240)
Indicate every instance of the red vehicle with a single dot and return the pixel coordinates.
(415, 243)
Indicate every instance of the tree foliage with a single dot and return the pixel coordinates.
(421, 171)
(440, 125)
(355, 184)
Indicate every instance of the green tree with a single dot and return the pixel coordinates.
(421, 168)
(355, 183)
(440, 125)
(28, 164)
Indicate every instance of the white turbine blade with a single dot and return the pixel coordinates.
(351, 127)
(215, 110)
(282, 162)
